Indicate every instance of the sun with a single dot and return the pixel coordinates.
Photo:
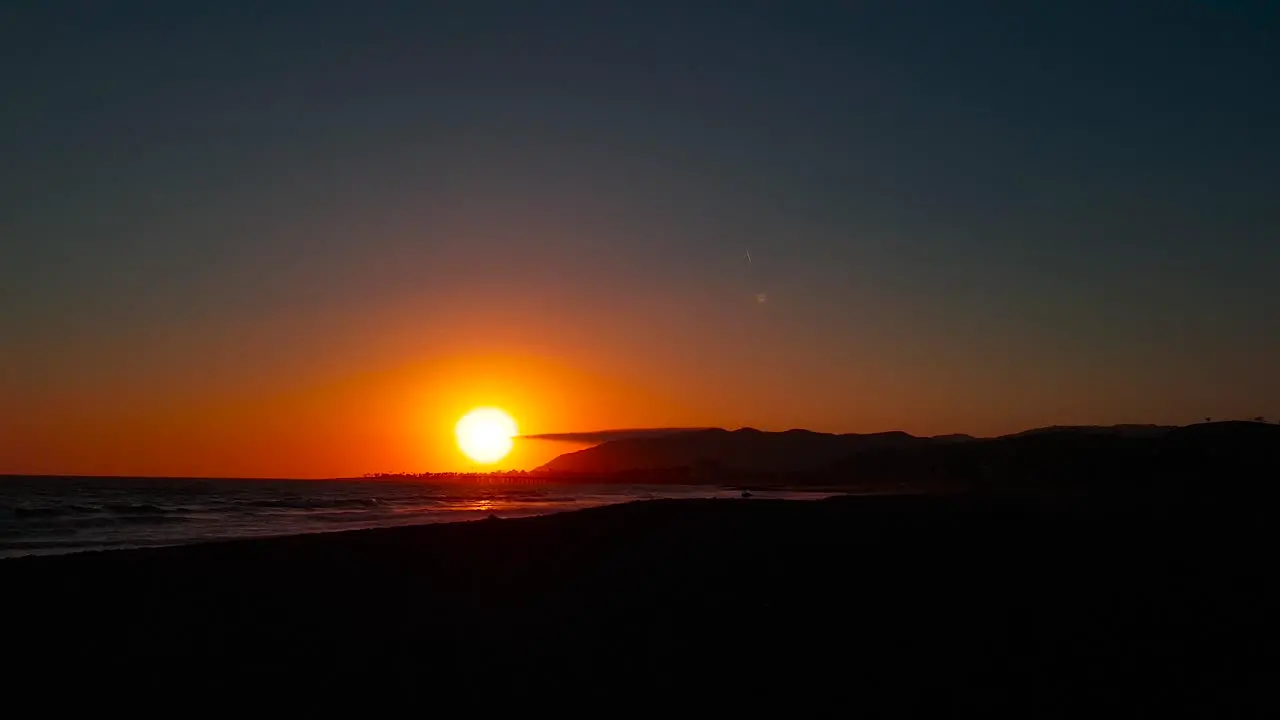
(485, 434)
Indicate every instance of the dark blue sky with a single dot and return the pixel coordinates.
(964, 216)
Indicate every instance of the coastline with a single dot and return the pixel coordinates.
(44, 517)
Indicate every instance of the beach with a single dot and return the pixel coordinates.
(969, 602)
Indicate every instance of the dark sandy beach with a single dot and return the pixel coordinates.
(904, 600)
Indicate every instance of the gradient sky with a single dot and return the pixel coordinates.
(301, 238)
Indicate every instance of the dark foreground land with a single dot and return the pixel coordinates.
(908, 601)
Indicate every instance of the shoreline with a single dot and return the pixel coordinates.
(408, 526)
(176, 519)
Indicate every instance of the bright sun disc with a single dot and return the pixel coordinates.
(485, 434)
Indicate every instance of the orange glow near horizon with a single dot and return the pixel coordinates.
(375, 397)
(401, 418)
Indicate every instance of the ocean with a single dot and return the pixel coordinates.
(54, 515)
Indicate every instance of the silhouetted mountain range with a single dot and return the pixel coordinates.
(745, 449)
(1120, 430)
(1066, 458)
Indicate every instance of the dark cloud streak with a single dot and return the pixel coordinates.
(602, 436)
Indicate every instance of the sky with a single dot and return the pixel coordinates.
(300, 239)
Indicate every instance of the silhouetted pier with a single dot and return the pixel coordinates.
(510, 480)
(497, 478)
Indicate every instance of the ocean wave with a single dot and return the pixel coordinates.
(142, 509)
(76, 524)
(304, 503)
(152, 519)
(73, 510)
(39, 511)
(63, 543)
(352, 517)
